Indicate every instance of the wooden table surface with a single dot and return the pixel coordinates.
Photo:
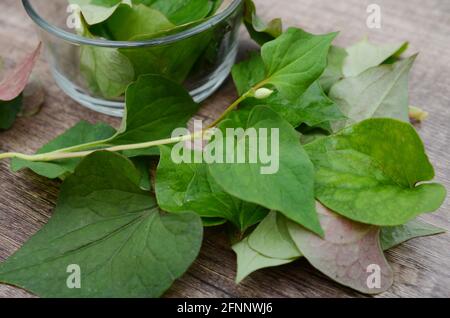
(422, 267)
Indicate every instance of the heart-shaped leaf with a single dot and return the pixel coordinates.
(295, 60)
(380, 92)
(350, 253)
(113, 233)
(155, 107)
(374, 173)
(255, 181)
(313, 107)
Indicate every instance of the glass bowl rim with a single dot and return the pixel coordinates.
(80, 40)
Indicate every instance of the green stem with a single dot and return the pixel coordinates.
(70, 155)
(86, 149)
(232, 107)
(100, 143)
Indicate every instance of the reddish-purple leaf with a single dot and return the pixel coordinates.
(350, 253)
(14, 83)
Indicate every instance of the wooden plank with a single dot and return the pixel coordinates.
(421, 267)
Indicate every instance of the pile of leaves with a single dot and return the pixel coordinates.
(353, 176)
(108, 71)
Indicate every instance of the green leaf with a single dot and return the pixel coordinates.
(248, 73)
(334, 71)
(271, 244)
(145, 20)
(174, 61)
(181, 11)
(344, 256)
(393, 236)
(9, 111)
(374, 173)
(292, 63)
(105, 224)
(190, 187)
(106, 71)
(81, 133)
(128, 22)
(251, 182)
(380, 92)
(313, 108)
(249, 260)
(295, 60)
(272, 239)
(260, 31)
(365, 55)
(155, 107)
(97, 11)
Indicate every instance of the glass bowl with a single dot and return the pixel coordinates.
(200, 57)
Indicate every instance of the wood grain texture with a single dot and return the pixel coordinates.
(422, 267)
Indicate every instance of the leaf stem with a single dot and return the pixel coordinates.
(232, 107)
(51, 156)
(82, 147)
(80, 151)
